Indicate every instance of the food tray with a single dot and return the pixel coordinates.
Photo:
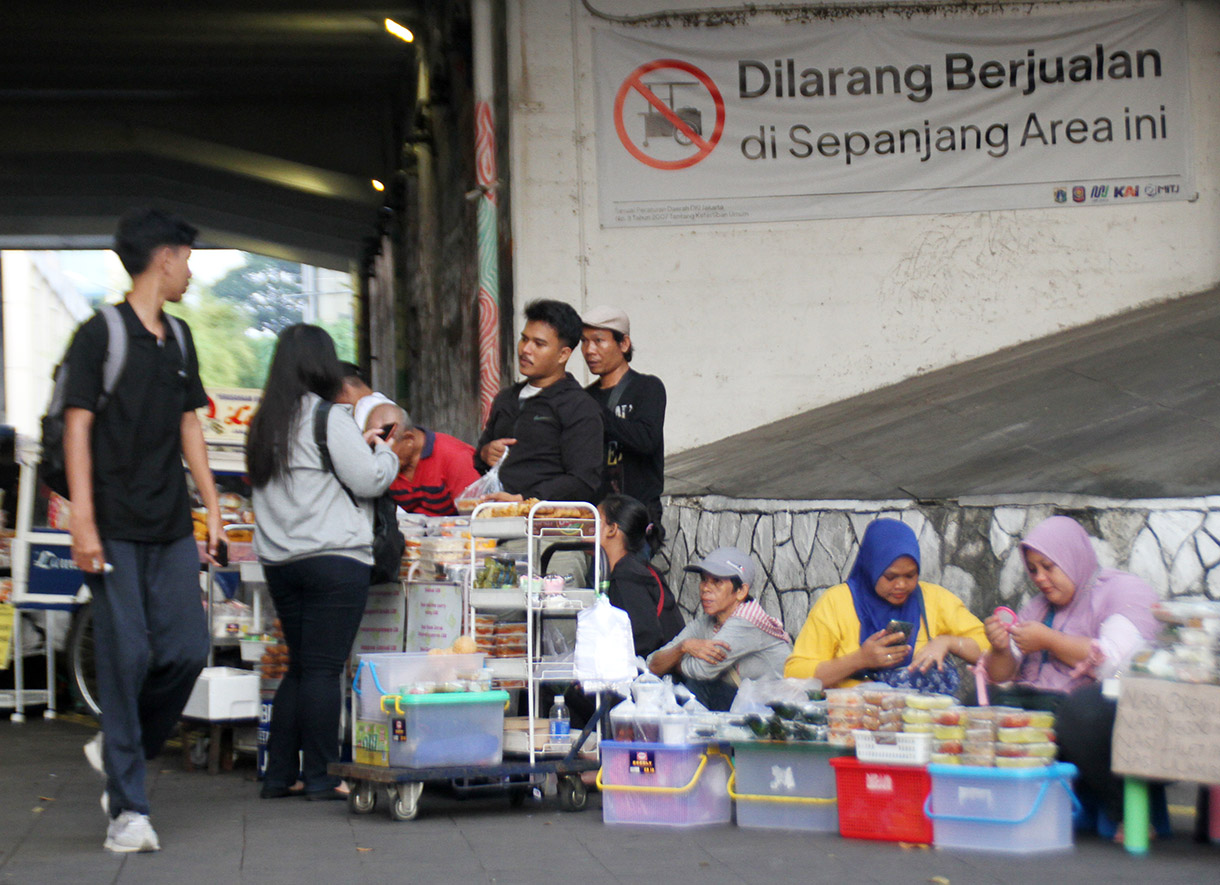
(501, 527)
(910, 749)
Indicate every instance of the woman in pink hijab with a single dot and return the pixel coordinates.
(1083, 624)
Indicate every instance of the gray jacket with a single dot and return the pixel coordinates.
(306, 512)
(753, 654)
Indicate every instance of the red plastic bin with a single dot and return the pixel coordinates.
(882, 802)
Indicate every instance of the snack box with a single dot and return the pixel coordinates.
(651, 784)
(455, 728)
(1013, 811)
(782, 786)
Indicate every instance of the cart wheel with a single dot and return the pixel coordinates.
(405, 804)
(363, 798)
(573, 796)
(199, 749)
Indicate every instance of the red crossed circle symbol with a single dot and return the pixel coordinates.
(635, 82)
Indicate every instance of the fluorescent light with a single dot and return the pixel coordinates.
(377, 185)
(398, 30)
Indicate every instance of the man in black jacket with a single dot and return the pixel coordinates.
(632, 407)
(553, 428)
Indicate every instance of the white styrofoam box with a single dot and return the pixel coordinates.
(223, 693)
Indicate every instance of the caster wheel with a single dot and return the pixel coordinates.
(362, 799)
(405, 801)
(573, 796)
(199, 751)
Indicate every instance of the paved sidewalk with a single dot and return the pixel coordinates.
(217, 830)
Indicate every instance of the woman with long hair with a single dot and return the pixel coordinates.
(313, 535)
(635, 586)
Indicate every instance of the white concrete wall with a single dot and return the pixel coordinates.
(747, 324)
(41, 310)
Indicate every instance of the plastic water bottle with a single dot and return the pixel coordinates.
(561, 723)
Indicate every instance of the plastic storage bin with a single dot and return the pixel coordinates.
(780, 786)
(222, 693)
(386, 673)
(1012, 810)
(882, 802)
(664, 785)
(454, 728)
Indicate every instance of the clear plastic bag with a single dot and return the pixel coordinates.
(486, 485)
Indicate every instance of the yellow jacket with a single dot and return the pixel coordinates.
(832, 629)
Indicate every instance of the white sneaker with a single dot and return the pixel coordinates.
(93, 752)
(130, 832)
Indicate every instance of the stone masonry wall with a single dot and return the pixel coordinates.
(971, 548)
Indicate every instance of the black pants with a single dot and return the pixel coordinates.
(320, 601)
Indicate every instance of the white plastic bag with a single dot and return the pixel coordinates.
(487, 484)
(605, 650)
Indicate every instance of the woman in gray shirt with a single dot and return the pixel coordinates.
(316, 546)
(730, 640)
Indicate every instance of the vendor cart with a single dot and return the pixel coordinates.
(524, 765)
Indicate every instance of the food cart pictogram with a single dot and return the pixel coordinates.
(675, 108)
(660, 125)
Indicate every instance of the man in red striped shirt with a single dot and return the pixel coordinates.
(433, 467)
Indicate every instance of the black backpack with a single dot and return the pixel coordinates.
(388, 542)
(52, 466)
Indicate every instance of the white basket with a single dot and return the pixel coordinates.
(909, 749)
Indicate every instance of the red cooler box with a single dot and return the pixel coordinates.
(883, 802)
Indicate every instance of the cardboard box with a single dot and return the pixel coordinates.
(1167, 730)
(223, 693)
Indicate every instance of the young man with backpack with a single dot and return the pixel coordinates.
(131, 518)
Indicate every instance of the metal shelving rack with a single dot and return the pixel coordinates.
(539, 531)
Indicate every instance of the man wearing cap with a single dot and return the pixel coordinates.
(633, 413)
(434, 467)
(730, 639)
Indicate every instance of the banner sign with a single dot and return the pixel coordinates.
(893, 116)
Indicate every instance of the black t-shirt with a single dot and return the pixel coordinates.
(139, 487)
(634, 455)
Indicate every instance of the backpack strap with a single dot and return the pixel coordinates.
(116, 352)
(179, 329)
(660, 587)
(320, 416)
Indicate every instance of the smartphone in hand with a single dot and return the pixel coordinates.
(906, 628)
(222, 552)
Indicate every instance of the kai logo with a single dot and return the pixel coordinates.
(1061, 195)
(878, 783)
(1100, 191)
(1078, 194)
(1123, 191)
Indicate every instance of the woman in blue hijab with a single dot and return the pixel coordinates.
(884, 624)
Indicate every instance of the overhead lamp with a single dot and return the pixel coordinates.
(399, 31)
(377, 185)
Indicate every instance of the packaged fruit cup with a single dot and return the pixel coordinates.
(946, 746)
(1012, 717)
(1041, 719)
(1023, 735)
(946, 759)
(917, 727)
(950, 716)
(948, 732)
(977, 760)
(915, 715)
(1021, 762)
(843, 697)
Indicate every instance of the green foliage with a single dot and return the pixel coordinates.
(268, 290)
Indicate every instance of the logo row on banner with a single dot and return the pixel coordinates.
(892, 116)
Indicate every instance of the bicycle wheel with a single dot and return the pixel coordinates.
(83, 681)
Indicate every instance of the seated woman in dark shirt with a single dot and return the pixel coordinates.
(635, 586)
